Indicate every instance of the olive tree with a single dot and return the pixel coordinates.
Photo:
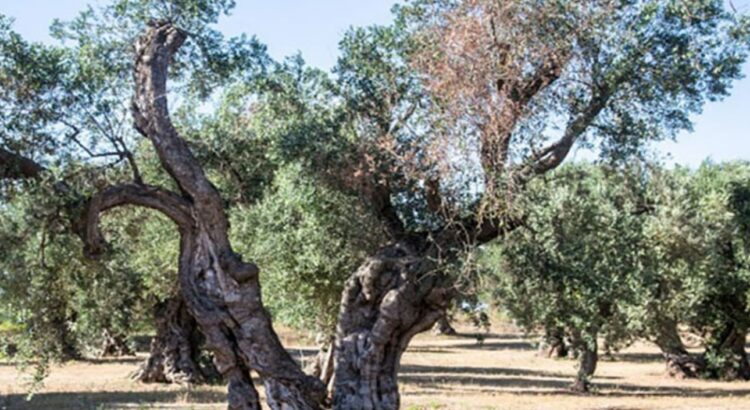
(575, 265)
(461, 103)
(701, 239)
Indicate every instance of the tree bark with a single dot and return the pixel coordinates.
(588, 358)
(680, 363)
(14, 166)
(221, 291)
(175, 355)
(392, 296)
(552, 344)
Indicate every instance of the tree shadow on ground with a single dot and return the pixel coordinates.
(484, 335)
(113, 360)
(497, 380)
(87, 360)
(484, 371)
(486, 345)
(638, 357)
(104, 399)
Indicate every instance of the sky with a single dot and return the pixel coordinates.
(314, 28)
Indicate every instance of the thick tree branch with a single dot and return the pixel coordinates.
(496, 143)
(380, 198)
(553, 155)
(547, 73)
(164, 201)
(154, 52)
(14, 166)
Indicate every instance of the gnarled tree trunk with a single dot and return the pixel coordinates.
(114, 345)
(588, 357)
(175, 354)
(221, 291)
(393, 296)
(680, 363)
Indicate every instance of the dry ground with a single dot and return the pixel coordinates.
(439, 372)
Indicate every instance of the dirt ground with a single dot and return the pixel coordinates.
(438, 372)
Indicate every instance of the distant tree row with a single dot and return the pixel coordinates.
(608, 256)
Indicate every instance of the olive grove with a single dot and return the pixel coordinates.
(357, 198)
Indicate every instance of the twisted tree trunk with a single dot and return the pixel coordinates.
(114, 345)
(393, 296)
(726, 357)
(175, 355)
(221, 291)
(679, 362)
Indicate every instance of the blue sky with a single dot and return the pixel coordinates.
(314, 28)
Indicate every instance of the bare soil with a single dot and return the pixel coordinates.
(497, 370)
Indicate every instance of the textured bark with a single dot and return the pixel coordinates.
(552, 345)
(729, 345)
(680, 363)
(588, 358)
(115, 345)
(175, 354)
(393, 296)
(221, 291)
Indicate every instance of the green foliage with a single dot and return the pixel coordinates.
(295, 150)
(62, 301)
(621, 255)
(700, 240)
(308, 239)
(575, 264)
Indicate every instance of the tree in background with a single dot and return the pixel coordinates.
(575, 265)
(705, 240)
(664, 303)
(643, 257)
